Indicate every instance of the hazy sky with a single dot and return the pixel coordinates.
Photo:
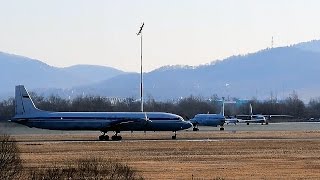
(190, 32)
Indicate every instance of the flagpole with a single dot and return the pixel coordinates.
(141, 75)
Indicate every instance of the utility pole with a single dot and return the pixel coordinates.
(141, 78)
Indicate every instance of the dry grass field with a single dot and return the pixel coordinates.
(199, 155)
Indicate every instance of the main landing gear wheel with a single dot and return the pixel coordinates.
(175, 135)
(195, 127)
(104, 137)
(116, 137)
(221, 128)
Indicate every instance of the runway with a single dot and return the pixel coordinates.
(285, 126)
(41, 142)
(16, 129)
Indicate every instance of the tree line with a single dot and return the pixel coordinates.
(186, 107)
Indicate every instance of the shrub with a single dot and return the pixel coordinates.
(89, 168)
(10, 162)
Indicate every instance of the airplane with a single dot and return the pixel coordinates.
(209, 120)
(26, 113)
(232, 120)
(252, 118)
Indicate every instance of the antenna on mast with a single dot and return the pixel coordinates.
(141, 78)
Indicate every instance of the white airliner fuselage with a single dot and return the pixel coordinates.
(27, 114)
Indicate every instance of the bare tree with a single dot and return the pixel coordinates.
(295, 106)
(10, 162)
(6, 109)
(314, 108)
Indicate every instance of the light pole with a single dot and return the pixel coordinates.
(141, 78)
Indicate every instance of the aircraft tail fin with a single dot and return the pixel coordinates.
(23, 102)
(222, 107)
(251, 112)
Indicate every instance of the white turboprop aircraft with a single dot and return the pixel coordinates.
(27, 114)
(252, 118)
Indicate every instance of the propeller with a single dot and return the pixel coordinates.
(146, 118)
(251, 112)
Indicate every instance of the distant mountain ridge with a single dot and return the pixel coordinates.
(313, 46)
(277, 72)
(34, 74)
(93, 73)
(269, 72)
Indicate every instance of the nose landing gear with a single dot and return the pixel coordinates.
(195, 127)
(175, 135)
(221, 128)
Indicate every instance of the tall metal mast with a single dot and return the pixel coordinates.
(141, 78)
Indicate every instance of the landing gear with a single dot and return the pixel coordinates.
(247, 123)
(175, 135)
(195, 127)
(116, 137)
(104, 137)
(221, 128)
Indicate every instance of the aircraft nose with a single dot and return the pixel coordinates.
(187, 125)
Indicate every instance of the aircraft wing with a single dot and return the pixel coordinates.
(278, 115)
(119, 124)
(232, 120)
(243, 116)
